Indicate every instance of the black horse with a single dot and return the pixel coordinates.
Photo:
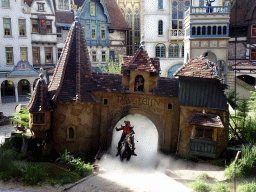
(127, 147)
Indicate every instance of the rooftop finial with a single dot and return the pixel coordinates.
(142, 44)
(76, 18)
(41, 75)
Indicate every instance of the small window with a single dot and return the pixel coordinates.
(9, 55)
(174, 51)
(169, 106)
(219, 30)
(48, 26)
(71, 133)
(34, 26)
(105, 101)
(224, 30)
(92, 8)
(5, 3)
(253, 30)
(22, 27)
(94, 56)
(23, 53)
(160, 51)
(182, 51)
(7, 26)
(93, 31)
(103, 56)
(48, 55)
(193, 30)
(204, 133)
(214, 30)
(38, 118)
(59, 32)
(198, 30)
(253, 54)
(59, 52)
(160, 27)
(160, 4)
(203, 30)
(103, 32)
(139, 83)
(40, 6)
(209, 30)
(36, 55)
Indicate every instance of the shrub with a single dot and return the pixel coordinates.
(229, 171)
(218, 162)
(200, 186)
(247, 187)
(204, 176)
(220, 187)
(32, 174)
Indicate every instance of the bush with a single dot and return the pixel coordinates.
(220, 187)
(247, 187)
(200, 186)
(204, 176)
(32, 174)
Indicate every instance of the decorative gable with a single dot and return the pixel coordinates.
(23, 68)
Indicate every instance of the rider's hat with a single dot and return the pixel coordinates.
(126, 122)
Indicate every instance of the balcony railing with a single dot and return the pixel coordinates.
(95, 42)
(207, 10)
(176, 34)
(205, 148)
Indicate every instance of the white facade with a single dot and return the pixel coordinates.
(16, 11)
(173, 33)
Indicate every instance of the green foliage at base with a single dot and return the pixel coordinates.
(247, 187)
(113, 66)
(33, 174)
(21, 118)
(200, 186)
(220, 187)
(204, 177)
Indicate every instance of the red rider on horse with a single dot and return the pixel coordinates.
(127, 129)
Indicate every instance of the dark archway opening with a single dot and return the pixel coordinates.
(23, 90)
(248, 79)
(7, 92)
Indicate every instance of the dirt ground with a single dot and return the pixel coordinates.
(181, 171)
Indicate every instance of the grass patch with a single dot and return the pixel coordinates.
(247, 187)
(220, 187)
(200, 186)
(204, 177)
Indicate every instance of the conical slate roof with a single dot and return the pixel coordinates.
(141, 62)
(39, 101)
(73, 75)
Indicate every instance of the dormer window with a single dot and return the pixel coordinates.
(92, 8)
(63, 4)
(139, 83)
(40, 6)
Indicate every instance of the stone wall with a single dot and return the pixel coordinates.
(186, 129)
(117, 43)
(240, 50)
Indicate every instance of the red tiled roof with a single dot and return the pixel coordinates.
(141, 62)
(207, 120)
(197, 68)
(28, 2)
(39, 101)
(64, 17)
(166, 86)
(117, 19)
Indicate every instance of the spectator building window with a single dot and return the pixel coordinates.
(174, 51)
(5, 3)
(63, 4)
(160, 50)
(178, 9)
(93, 31)
(48, 55)
(7, 27)
(23, 53)
(34, 26)
(204, 133)
(22, 27)
(160, 4)
(103, 56)
(59, 52)
(253, 54)
(49, 26)
(253, 30)
(40, 6)
(36, 55)
(103, 32)
(92, 8)
(9, 55)
(160, 27)
(59, 34)
(94, 56)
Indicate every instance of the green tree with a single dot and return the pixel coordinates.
(21, 118)
(113, 66)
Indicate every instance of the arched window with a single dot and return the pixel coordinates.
(219, 30)
(137, 20)
(178, 8)
(214, 30)
(71, 133)
(224, 30)
(173, 69)
(198, 30)
(160, 4)
(136, 29)
(160, 50)
(203, 30)
(209, 30)
(129, 17)
(174, 51)
(139, 83)
(193, 30)
(160, 27)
